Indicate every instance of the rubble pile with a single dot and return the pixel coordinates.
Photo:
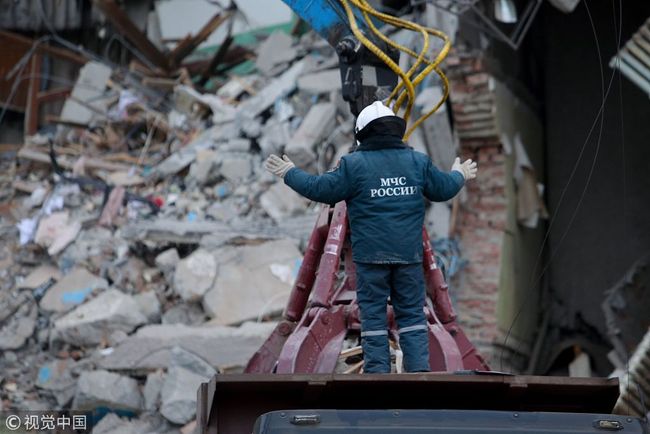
(144, 247)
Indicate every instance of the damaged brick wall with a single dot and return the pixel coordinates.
(482, 215)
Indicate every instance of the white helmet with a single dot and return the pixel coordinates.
(375, 110)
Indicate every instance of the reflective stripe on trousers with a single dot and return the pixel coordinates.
(405, 286)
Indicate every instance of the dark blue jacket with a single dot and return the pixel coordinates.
(383, 184)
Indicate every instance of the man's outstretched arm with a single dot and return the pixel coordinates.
(330, 188)
(440, 186)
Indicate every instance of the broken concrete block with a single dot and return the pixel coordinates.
(320, 82)
(149, 348)
(274, 89)
(175, 163)
(112, 424)
(88, 93)
(246, 287)
(185, 374)
(105, 389)
(36, 197)
(221, 212)
(184, 313)
(236, 166)
(147, 423)
(274, 51)
(56, 377)
(94, 242)
(40, 275)
(72, 290)
(56, 231)
(116, 337)
(318, 123)
(280, 201)
(275, 135)
(179, 395)
(181, 358)
(152, 388)
(18, 313)
(167, 260)
(194, 275)
(149, 305)
(236, 145)
(202, 170)
(94, 321)
(251, 128)
(172, 230)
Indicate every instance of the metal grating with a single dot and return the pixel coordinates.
(633, 60)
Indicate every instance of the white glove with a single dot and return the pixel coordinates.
(278, 166)
(468, 169)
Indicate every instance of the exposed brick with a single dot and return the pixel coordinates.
(483, 215)
(477, 79)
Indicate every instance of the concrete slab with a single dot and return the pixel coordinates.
(149, 348)
(246, 286)
(72, 290)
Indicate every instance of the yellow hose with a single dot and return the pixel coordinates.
(407, 94)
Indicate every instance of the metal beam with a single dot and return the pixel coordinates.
(124, 25)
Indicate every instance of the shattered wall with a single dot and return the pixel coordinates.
(501, 217)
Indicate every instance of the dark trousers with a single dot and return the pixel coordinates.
(404, 283)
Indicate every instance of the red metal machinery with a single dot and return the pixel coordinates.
(322, 310)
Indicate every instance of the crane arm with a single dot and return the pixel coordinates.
(364, 77)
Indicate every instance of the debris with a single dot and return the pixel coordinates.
(246, 271)
(275, 51)
(93, 321)
(320, 120)
(149, 348)
(580, 366)
(18, 313)
(112, 207)
(56, 231)
(184, 313)
(185, 374)
(320, 82)
(236, 167)
(145, 219)
(105, 389)
(275, 89)
(39, 276)
(167, 260)
(280, 201)
(202, 170)
(149, 305)
(56, 377)
(152, 388)
(111, 423)
(195, 275)
(72, 290)
(87, 97)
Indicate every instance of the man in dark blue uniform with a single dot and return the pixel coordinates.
(383, 183)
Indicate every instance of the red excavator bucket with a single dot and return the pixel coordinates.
(322, 311)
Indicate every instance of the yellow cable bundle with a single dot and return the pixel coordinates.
(405, 77)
